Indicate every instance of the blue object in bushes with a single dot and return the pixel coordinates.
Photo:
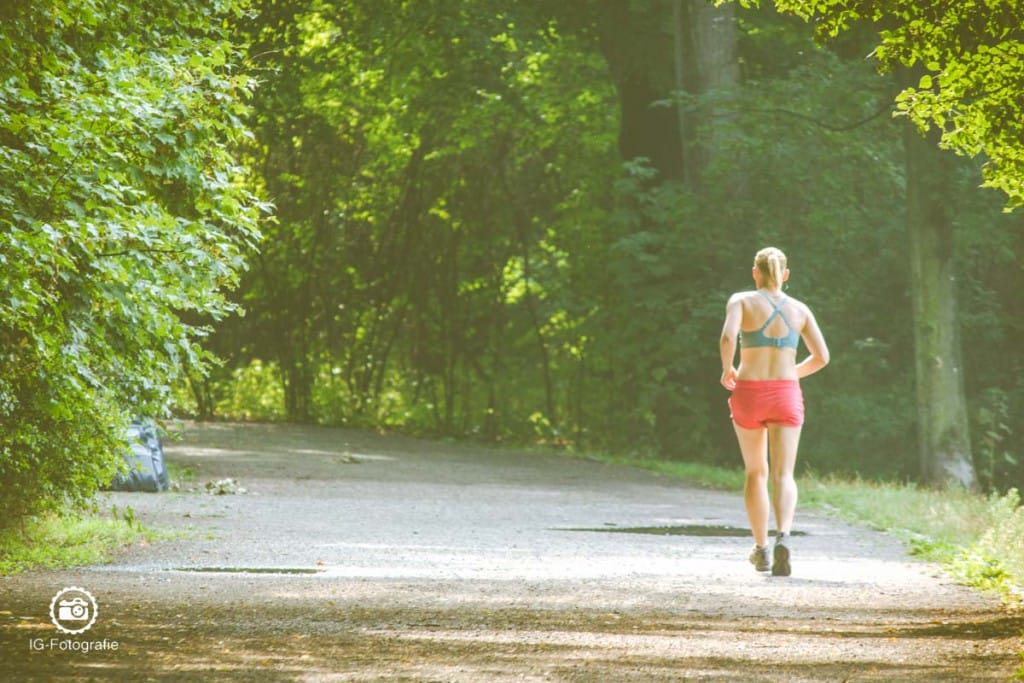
(145, 457)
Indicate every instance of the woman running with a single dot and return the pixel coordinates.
(767, 406)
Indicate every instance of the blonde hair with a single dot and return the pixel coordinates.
(771, 263)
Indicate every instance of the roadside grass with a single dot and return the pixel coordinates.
(75, 539)
(55, 542)
(978, 539)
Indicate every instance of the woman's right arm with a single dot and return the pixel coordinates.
(816, 346)
(727, 343)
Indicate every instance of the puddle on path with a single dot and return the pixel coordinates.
(249, 570)
(707, 530)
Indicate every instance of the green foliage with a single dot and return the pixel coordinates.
(255, 392)
(970, 56)
(993, 457)
(997, 557)
(979, 539)
(787, 174)
(990, 248)
(460, 248)
(431, 210)
(123, 217)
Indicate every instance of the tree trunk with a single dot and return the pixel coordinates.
(633, 40)
(705, 61)
(696, 54)
(944, 442)
(679, 60)
(298, 389)
(203, 395)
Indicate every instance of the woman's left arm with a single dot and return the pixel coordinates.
(815, 342)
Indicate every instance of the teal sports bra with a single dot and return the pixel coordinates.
(757, 338)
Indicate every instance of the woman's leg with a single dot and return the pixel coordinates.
(782, 445)
(754, 447)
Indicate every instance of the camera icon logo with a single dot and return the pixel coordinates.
(73, 610)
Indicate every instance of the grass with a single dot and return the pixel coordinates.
(54, 541)
(704, 475)
(76, 539)
(978, 539)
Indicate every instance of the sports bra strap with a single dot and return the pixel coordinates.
(777, 308)
(758, 338)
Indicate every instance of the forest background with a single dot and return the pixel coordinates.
(512, 222)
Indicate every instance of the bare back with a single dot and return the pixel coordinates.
(766, 362)
(772, 327)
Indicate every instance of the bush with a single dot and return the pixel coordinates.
(997, 558)
(123, 220)
(255, 392)
(57, 440)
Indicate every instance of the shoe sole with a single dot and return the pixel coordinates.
(780, 563)
(760, 561)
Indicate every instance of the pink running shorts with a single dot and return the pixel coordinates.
(757, 403)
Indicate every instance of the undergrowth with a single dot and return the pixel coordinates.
(52, 541)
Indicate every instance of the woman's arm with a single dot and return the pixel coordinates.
(730, 336)
(815, 342)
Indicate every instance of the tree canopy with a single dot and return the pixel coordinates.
(972, 57)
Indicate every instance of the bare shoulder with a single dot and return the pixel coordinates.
(804, 311)
(740, 298)
(799, 305)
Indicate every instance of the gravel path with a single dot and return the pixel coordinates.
(357, 557)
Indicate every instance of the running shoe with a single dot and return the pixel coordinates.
(759, 558)
(780, 558)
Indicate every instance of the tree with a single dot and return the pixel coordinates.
(705, 62)
(123, 219)
(430, 162)
(664, 56)
(944, 442)
(971, 60)
(674, 63)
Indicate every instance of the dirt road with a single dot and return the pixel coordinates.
(356, 557)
